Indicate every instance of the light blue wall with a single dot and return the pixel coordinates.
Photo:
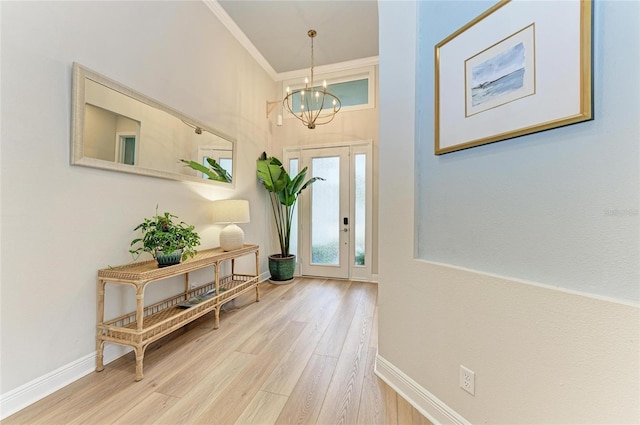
(557, 208)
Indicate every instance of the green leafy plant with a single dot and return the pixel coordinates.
(162, 233)
(213, 172)
(283, 193)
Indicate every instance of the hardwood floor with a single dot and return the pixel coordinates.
(304, 354)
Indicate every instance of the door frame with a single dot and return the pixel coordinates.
(120, 149)
(363, 273)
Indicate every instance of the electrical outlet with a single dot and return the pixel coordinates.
(468, 380)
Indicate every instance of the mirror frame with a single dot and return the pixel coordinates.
(77, 157)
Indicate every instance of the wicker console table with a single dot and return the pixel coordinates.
(147, 324)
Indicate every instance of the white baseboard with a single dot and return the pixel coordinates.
(27, 394)
(426, 403)
(264, 276)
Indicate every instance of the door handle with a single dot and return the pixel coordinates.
(345, 230)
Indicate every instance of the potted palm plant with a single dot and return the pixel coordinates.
(167, 241)
(283, 194)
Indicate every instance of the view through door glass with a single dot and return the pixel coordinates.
(360, 209)
(325, 212)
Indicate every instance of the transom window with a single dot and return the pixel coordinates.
(354, 88)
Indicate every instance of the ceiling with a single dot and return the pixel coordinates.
(347, 30)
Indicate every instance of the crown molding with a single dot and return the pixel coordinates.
(235, 30)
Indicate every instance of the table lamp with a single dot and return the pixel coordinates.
(231, 212)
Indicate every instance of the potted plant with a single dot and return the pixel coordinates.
(283, 194)
(167, 241)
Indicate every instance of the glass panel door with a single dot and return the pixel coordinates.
(326, 229)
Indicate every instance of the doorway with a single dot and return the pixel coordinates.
(333, 230)
(126, 148)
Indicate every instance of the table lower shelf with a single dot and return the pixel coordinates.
(166, 316)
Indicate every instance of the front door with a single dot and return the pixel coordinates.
(335, 214)
(325, 227)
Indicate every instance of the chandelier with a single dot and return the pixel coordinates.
(314, 101)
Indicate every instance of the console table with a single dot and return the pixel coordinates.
(147, 324)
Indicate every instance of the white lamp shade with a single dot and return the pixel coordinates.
(231, 211)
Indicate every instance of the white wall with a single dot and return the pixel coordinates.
(62, 223)
(546, 347)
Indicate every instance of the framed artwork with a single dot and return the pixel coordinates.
(519, 68)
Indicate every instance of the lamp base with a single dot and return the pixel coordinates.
(231, 237)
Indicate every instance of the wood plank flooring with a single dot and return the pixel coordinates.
(304, 354)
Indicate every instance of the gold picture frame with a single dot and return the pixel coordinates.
(520, 67)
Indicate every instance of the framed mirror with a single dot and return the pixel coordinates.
(116, 128)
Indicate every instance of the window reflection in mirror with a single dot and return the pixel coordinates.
(119, 129)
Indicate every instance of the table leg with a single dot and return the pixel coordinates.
(100, 320)
(257, 275)
(216, 268)
(100, 357)
(139, 358)
(257, 263)
(216, 317)
(139, 308)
